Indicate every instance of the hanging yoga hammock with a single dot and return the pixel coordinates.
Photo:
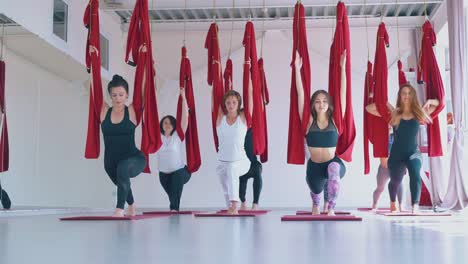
(228, 71)
(368, 99)
(264, 88)
(298, 126)
(192, 145)
(401, 74)
(214, 72)
(93, 65)
(344, 118)
(5, 149)
(144, 96)
(251, 79)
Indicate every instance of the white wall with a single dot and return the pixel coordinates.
(47, 119)
(26, 13)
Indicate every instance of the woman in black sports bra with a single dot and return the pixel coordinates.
(122, 159)
(324, 168)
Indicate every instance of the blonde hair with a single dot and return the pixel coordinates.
(415, 108)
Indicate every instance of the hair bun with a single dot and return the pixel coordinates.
(117, 77)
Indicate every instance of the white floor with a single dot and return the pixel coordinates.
(37, 236)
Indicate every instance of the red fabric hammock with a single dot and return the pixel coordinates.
(228, 76)
(93, 65)
(297, 129)
(368, 99)
(401, 74)
(192, 145)
(266, 100)
(144, 96)
(345, 124)
(214, 75)
(252, 74)
(428, 72)
(380, 124)
(5, 149)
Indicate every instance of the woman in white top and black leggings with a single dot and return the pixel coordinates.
(231, 128)
(173, 172)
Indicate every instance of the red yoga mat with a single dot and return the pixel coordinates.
(169, 213)
(418, 214)
(109, 218)
(320, 218)
(256, 212)
(322, 213)
(223, 215)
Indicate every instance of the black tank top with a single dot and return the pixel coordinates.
(406, 137)
(322, 138)
(119, 139)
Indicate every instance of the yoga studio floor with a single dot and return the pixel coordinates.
(37, 236)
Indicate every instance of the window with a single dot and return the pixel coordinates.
(104, 52)
(60, 19)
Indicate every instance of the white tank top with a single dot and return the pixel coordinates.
(169, 155)
(231, 140)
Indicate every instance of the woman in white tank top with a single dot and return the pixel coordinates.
(231, 128)
(173, 172)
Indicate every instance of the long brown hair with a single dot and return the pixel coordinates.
(415, 108)
(330, 104)
(235, 94)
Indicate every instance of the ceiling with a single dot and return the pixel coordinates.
(163, 11)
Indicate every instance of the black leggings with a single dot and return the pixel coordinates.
(120, 173)
(173, 184)
(317, 175)
(397, 167)
(254, 172)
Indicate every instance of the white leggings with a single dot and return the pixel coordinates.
(229, 173)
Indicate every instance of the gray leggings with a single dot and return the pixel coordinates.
(383, 175)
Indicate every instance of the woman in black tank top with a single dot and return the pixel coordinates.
(122, 159)
(405, 154)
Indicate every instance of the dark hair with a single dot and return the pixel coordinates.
(232, 93)
(117, 81)
(173, 123)
(330, 104)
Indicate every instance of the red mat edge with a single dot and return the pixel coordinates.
(248, 211)
(108, 218)
(290, 218)
(322, 213)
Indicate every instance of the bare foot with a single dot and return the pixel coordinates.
(325, 207)
(331, 212)
(254, 206)
(174, 211)
(243, 206)
(131, 210)
(118, 212)
(233, 208)
(415, 209)
(401, 207)
(315, 210)
(393, 207)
